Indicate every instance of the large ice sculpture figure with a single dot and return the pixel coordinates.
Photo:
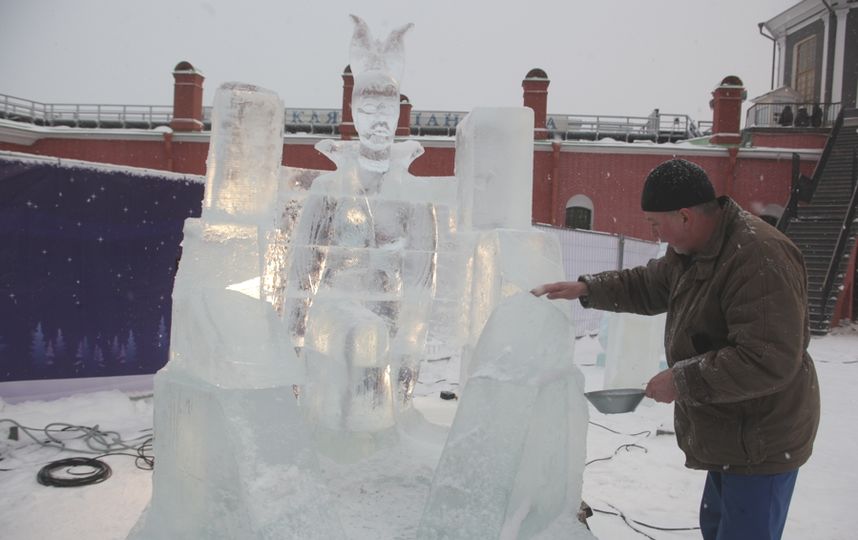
(351, 265)
(514, 458)
(361, 269)
(234, 458)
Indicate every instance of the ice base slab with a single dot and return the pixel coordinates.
(509, 467)
(233, 463)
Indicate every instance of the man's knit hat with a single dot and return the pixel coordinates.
(676, 184)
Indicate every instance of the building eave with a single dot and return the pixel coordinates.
(780, 24)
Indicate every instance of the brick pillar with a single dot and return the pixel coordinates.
(727, 111)
(535, 86)
(187, 98)
(403, 128)
(347, 125)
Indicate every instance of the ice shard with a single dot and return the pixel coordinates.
(513, 462)
(504, 254)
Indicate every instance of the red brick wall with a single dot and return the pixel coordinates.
(780, 140)
(147, 154)
(611, 177)
(437, 161)
(613, 182)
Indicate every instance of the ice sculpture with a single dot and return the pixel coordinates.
(347, 264)
(361, 270)
(234, 458)
(513, 462)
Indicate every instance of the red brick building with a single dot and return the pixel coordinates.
(588, 170)
(583, 166)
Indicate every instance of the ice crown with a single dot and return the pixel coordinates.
(368, 54)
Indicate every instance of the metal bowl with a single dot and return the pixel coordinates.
(615, 400)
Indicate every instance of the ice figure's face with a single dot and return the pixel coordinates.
(375, 109)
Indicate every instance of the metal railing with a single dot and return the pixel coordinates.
(791, 208)
(657, 126)
(845, 231)
(792, 115)
(705, 127)
(802, 188)
(84, 115)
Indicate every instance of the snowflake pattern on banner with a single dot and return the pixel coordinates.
(87, 261)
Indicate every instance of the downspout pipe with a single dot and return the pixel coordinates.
(555, 182)
(774, 48)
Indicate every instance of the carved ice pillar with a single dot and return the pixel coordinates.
(502, 253)
(235, 459)
(494, 168)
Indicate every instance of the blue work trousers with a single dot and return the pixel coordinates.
(745, 507)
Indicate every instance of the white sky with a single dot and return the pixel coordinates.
(624, 57)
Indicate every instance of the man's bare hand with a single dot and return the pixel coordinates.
(661, 387)
(569, 290)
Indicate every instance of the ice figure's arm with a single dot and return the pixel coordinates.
(314, 226)
(307, 254)
(339, 152)
(764, 309)
(331, 149)
(643, 290)
(406, 152)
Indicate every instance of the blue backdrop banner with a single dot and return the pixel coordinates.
(88, 254)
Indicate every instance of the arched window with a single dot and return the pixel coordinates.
(579, 213)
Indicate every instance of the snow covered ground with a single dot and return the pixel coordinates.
(382, 497)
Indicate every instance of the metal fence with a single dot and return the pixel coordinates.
(792, 115)
(658, 127)
(589, 252)
(82, 115)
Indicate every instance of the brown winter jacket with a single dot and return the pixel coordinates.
(736, 340)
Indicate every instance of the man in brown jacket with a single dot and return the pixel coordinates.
(745, 389)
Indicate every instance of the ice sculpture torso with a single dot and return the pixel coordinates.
(359, 287)
(361, 271)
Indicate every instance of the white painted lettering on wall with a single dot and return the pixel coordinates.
(439, 119)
